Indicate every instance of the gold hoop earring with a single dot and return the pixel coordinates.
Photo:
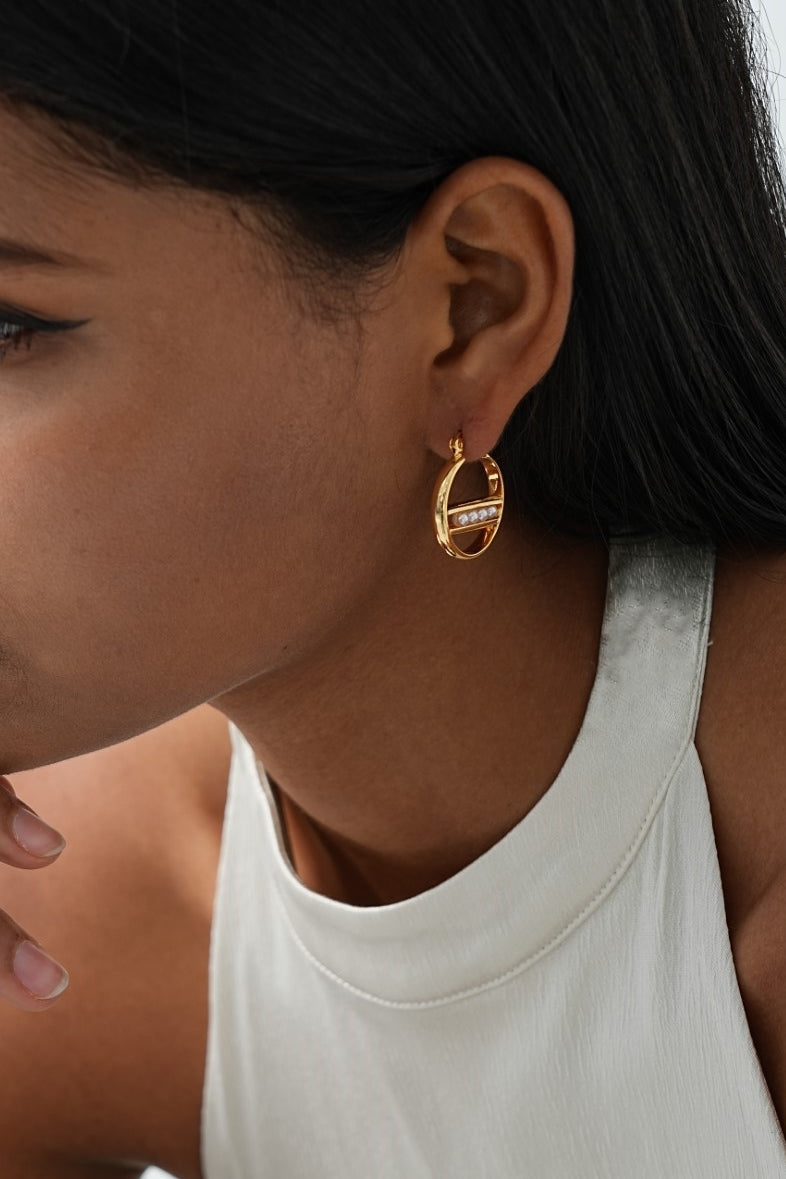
(476, 514)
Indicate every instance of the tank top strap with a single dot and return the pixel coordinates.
(654, 641)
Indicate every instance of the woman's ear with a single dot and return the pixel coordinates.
(506, 236)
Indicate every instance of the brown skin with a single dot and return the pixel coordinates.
(231, 502)
(207, 495)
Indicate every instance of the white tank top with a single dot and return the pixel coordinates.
(565, 1007)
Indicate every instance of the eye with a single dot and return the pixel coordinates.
(16, 326)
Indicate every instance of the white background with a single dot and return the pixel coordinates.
(773, 18)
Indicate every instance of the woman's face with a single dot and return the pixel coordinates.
(198, 481)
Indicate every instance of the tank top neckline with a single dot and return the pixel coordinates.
(531, 889)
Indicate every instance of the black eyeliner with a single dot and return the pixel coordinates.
(33, 323)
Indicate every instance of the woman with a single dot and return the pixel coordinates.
(392, 474)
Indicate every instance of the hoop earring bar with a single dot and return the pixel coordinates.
(472, 516)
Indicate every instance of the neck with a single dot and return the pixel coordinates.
(434, 719)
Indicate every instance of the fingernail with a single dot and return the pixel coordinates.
(34, 835)
(38, 973)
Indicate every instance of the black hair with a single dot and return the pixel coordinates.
(665, 409)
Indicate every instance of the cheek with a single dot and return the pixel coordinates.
(165, 547)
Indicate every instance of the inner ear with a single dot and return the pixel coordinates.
(492, 293)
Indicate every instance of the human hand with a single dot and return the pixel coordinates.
(29, 978)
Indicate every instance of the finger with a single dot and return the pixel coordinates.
(30, 979)
(26, 841)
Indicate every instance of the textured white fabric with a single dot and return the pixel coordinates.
(565, 1006)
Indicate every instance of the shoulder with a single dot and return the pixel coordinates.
(739, 733)
(115, 1069)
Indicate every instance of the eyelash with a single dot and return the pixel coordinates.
(9, 340)
(25, 327)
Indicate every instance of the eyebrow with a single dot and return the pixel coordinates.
(14, 253)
